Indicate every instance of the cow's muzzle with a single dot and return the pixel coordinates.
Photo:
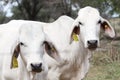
(36, 67)
(92, 44)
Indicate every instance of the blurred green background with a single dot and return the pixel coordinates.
(49, 10)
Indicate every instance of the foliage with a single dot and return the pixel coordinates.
(115, 7)
(2, 17)
(27, 9)
(41, 9)
(46, 10)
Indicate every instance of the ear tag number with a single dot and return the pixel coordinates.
(75, 37)
(15, 62)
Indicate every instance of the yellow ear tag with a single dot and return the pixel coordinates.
(75, 37)
(15, 62)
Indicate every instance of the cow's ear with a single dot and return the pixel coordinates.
(107, 28)
(51, 51)
(14, 62)
(75, 34)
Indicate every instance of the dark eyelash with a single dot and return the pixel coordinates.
(21, 43)
(80, 23)
(99, 22)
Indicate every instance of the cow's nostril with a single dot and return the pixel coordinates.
(92, 42)
(40, 65)
(36, 67)
(33, 66)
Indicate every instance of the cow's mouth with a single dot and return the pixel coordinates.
(92, 47)
(37, 70)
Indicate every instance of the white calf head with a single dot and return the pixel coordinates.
(88, 24)
(31, 48)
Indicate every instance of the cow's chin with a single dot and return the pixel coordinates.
(92, 48)
(37, 71)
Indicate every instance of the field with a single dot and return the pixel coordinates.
(105, 62)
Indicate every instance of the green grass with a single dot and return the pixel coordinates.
(105, 64)
(109, 71)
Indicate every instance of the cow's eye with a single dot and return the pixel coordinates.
(99, 22)
(80, 23)
(22, 44)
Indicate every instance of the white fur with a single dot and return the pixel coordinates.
(74, 62)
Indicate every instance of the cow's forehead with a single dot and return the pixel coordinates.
(32, 34)
(87, 13)
(88, 10)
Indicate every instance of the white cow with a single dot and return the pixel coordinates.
(73, 39)
(27, 39)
